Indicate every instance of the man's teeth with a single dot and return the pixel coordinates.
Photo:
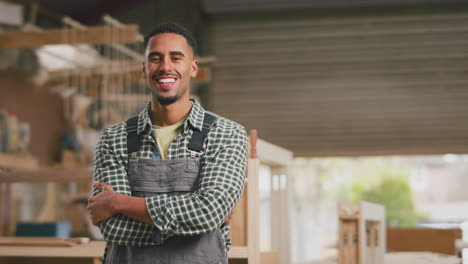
(166, 80)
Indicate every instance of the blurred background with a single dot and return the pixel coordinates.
(370, 97)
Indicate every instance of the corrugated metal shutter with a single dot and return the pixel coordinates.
(228, 6)
(369, 85)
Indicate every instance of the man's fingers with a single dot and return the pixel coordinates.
(98, 185)
(102, 186)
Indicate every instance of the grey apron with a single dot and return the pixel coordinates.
(148, 177)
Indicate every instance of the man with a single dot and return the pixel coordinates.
(166, 180)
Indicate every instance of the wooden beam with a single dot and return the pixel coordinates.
(273, 155)
(93, 35)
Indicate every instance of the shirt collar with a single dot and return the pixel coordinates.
(195, 117)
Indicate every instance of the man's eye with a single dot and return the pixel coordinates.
(154, 59)
(176, 58)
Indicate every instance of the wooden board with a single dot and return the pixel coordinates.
(92, 35)
(253, 228)
(273, 155)
(11, 161)
(36, 243)
(47, 175)
(3, 201)
(92, 249)
(423, 239)
(239, 221)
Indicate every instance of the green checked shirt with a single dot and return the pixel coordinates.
(221, 180)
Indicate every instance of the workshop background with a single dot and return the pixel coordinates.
(367, 99)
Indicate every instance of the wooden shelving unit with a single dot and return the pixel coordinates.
(11, 161)
(245, 223)
(22, 169)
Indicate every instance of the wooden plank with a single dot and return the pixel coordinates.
(92, 35)
(239, 222)
(93, 249)
(273, 155)
(423, 239)
(253, 236)
(36, 243)
(13, 161)
(3, 212)
(47, 175)
(76, 240)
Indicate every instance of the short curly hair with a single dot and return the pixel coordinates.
(171, 27)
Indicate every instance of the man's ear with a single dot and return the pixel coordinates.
(194, 68)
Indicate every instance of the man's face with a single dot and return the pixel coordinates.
(168, 67)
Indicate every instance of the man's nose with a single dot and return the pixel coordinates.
(165, 66)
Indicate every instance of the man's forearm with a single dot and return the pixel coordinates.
(132, 207)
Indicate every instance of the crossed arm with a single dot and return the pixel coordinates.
(220, 186)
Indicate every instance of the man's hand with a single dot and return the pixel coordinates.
(101, 206)
(228, 219)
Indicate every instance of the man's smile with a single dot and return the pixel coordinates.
(165, 82)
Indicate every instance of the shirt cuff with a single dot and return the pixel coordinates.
(156, 207)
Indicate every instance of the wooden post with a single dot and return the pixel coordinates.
(253, 236)
(2, 209)
(253, 201)
(92, 35)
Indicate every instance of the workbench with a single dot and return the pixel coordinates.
(79, 253)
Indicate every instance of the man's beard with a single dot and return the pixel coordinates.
(167, 100)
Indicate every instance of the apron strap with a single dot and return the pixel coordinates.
(196, 142)
(133, 142)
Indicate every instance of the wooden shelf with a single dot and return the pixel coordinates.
(46, 175)
(13, 161)
(93, 249)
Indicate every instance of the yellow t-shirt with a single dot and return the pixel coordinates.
(165, 135)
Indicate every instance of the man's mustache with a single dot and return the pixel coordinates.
(156, 76)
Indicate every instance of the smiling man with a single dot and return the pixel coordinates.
(167, 180)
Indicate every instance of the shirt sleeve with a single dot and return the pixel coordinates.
(109, 169)
(221, 184)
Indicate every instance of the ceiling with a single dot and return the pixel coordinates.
(86, 11)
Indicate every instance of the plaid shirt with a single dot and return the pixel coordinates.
(221, 180)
